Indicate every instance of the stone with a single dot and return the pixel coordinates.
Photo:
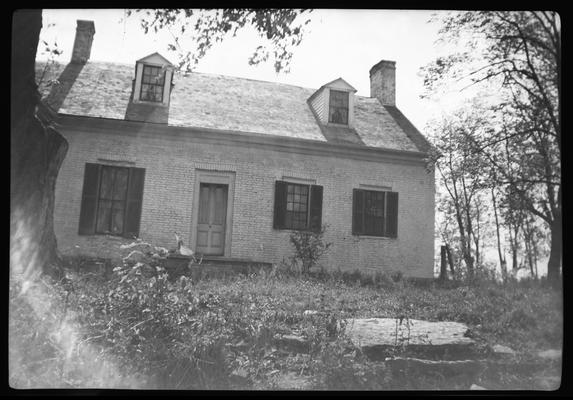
(476, 387)
(293, 343)
(551, 354)
(503, 350)
(382, 337)
(448, 368)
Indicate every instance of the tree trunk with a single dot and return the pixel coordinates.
(554, 264)
(502, 262)
(37, 152)
(443, 264)
(450, 261)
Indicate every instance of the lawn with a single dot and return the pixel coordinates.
(140, 329)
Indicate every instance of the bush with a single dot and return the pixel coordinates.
(309, 246)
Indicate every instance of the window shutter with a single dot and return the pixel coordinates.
(392, 214)
(88, 210)
(357, 211)
(280, 204)
(315, 208)
(134, 202)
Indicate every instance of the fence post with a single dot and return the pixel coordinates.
(443, 264)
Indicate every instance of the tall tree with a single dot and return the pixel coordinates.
(521, 53)
(461, 174)
(36, 153)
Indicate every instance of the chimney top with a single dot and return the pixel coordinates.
(383, 82)
(382, 64)
(85, 31)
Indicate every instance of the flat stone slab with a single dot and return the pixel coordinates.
(382, 337)
(444, 367)
(500, 350)
(551, 354)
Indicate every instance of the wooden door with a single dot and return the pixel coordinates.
(211, 219)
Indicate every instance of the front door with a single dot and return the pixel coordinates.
(211, 219)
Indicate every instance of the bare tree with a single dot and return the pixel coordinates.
(521, 53)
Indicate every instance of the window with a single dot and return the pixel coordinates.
(375, 213)
(338, 110)
(152, 83)
(297, 206)
(111, 200)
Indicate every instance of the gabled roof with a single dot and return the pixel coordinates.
(155, 58)
(340, 84)
(102, 90)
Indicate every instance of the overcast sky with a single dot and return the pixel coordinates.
(339, 43)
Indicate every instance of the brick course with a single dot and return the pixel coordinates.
(171, 164)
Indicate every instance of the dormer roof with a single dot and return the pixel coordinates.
(337, 84)
(156, 59)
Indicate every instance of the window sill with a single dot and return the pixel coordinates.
(152, 103)
(337, 125)
(293, 230)
(373, 237)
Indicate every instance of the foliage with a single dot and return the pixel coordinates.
(517, 56)
(280, 30)
(309, 246)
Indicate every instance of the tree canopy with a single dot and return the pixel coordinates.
(517, 55)
(280, 31)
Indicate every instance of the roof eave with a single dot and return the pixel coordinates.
(221, 136)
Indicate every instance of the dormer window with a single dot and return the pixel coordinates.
(152, 83)
(333, 104)
(338, 107)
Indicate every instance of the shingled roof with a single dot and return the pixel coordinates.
(102, 90)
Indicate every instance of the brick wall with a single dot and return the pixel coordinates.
(171, 164)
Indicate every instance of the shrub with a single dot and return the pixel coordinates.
(309, 246)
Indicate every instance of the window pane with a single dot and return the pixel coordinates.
(112, 199)
(296, 206)
(373, 212)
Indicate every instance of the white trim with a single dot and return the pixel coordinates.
(119, 163)
(350, 108)
(382, 187)
(166, 84)
(301, 181)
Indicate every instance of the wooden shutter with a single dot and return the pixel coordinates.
(315, 208)
(357, 212)
(90, 191)
(134, 202)
(392, 214)
(280, 204)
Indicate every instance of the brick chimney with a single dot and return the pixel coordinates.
(83, 42)
(383, 82)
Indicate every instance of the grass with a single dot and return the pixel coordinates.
(218, 333)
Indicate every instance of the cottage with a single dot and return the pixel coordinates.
(235, 165)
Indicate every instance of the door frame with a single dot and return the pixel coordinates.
(214, 177)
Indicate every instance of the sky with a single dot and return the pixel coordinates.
(338, 43)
